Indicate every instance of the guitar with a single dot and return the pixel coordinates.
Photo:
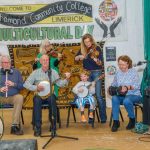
(86, 88)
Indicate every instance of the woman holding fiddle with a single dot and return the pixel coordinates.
(47, 48)
(92, 58)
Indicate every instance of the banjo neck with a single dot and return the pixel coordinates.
(96, 79)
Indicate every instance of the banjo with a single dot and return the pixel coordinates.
(46, 92)
(85, 89)
(1, 127)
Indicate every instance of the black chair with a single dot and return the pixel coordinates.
(73, 106)
(136, 106)
(46, 106)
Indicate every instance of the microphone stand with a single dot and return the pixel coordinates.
(53, 131)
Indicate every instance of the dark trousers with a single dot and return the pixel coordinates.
(146, 110)
(37, 108)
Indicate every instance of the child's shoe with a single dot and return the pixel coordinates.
(91, 120)
(83, 119)
(91, 115)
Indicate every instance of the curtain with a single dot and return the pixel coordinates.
(147, 29)
(146, 74)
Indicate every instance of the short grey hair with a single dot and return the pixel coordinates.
(5, 56)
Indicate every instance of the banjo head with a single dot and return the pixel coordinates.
(1, 127)
(84, 93)
(46, 90)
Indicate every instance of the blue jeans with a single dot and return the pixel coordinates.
(37, 106)
(100, 100)
(127, 101)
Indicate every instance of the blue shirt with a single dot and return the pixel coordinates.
(14, 76)
(89, 63)
(129, 78)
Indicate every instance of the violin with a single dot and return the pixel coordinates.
(55, 53)
(52, 53)
(94, 53)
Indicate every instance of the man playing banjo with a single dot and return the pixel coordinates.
(40, 81)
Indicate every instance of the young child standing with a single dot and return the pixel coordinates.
(84, 91)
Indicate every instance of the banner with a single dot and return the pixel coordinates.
(62, 20)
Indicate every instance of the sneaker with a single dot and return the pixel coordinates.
(37, 131)
(91, 115)
(83, 119)
(16, 130)
(53, 133)
(91, 120)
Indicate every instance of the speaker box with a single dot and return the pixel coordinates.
(18, 144)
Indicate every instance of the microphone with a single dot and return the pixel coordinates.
(141, 62)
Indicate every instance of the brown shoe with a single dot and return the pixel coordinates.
(91, 115)
(83, 119)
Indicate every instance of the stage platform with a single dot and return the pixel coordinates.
(98, 138)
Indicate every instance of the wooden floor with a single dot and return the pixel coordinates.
(98, 138)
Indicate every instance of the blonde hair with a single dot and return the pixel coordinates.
(84, 49)
(42, 46)
(84, 72)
